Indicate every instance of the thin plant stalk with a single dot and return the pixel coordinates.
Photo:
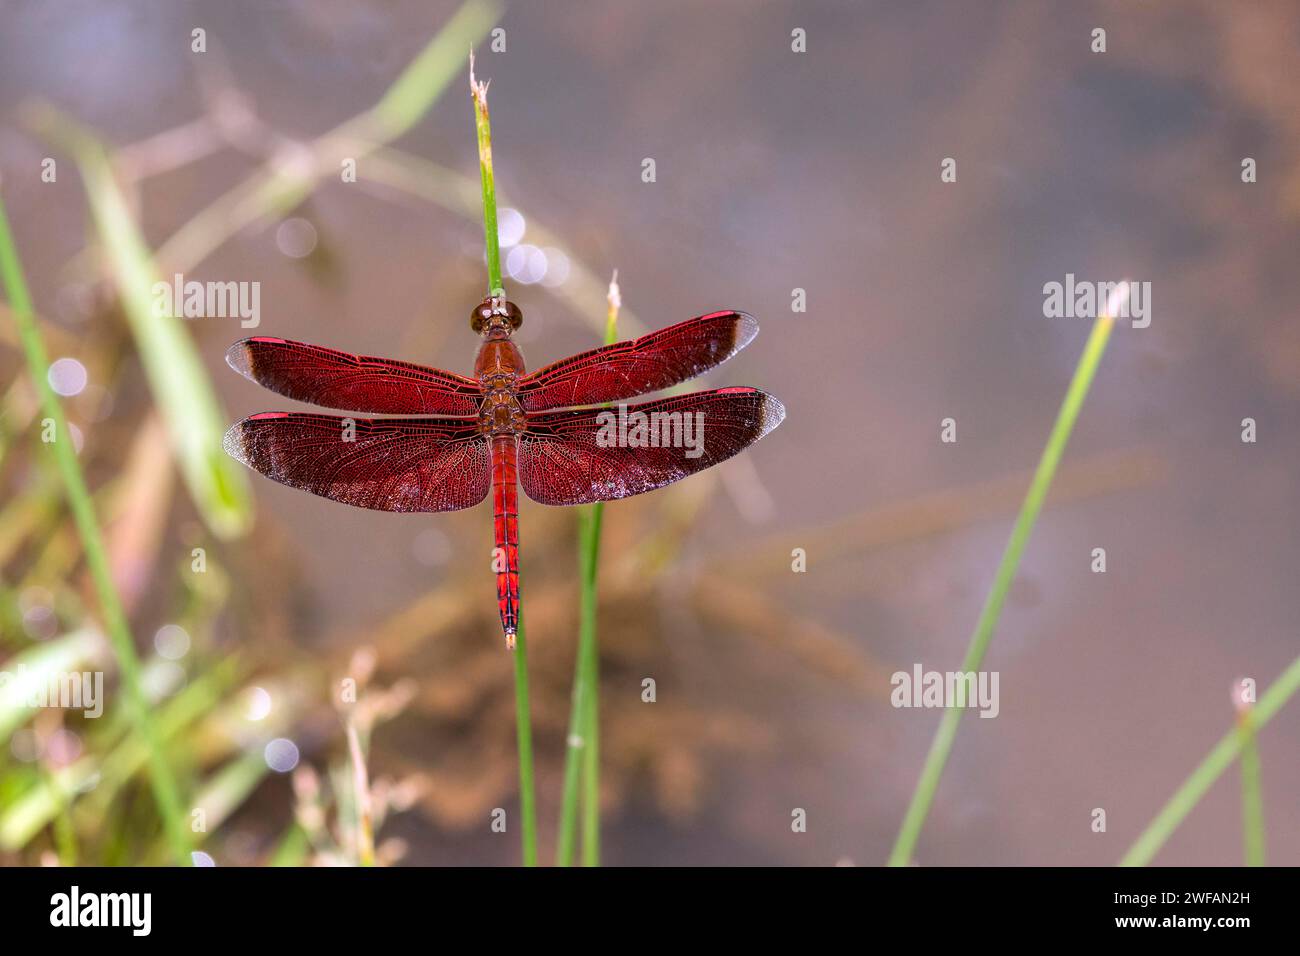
(483, 129)
(523, 718)
(1218, 760)
(365, 812)
(589, 660)
(1252, 802)
(941, 746)
(582, 750)
(524, 735)
(566, 839)
(165, 791)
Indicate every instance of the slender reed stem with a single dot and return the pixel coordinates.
(165, 791)
(1216, 761)
(524, 735)
(988, 619)
(582, 753)
(483, 127)
(1252, 802)
(523, 718)
(568, 829)
(589, 661)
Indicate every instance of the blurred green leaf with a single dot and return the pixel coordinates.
(37, 667)
(181, 387)
(230, 786)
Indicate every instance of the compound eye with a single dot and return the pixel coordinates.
(514, 315)
(479, 317)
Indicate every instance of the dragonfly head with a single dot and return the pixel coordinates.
(495, 317)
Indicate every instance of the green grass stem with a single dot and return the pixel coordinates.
(582, 747)
(524, 738)
(1186, 797)
(483, 130)
(1252, 801)
(941, 746)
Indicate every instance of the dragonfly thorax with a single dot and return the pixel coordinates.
(498, 368)
(499, 364)
(501, 414)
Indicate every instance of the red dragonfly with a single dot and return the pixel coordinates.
(502, 426)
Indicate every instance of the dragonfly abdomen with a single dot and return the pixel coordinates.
(505, 557)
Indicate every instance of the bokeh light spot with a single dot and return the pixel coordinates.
(67, 377)
(510, 227)
(281, 755)
(259, 703)
(172, 642)
(296, 238)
